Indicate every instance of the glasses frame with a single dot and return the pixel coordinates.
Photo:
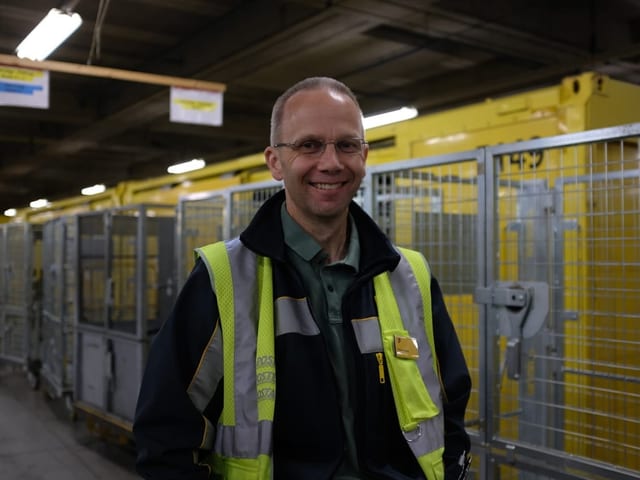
(296, 147)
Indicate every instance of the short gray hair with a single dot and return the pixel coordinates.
(311, 83)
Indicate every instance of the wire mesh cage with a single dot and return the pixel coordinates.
(567, 214)
(126, 274)
(218, 215)
(20, 294)
(200, 222)
(245, 201)
(58, 305)
(536, 246)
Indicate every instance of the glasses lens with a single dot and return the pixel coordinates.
(310, 147)
(350, 146)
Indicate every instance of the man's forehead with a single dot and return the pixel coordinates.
(330, 109)
(318, 93)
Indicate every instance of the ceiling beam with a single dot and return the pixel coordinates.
(111, 73)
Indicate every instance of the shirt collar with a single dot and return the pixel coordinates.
(307, 248)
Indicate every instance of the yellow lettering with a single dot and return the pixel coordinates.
(19, 74)
(197, 105)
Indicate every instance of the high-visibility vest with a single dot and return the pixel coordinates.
(404, 331)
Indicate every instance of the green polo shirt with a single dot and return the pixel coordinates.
(325, 285)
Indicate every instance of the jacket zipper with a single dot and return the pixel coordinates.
(381, 377)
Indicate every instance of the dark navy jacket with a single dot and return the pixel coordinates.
(308, 438)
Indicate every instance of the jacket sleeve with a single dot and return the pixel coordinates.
(168, 429)
(457, 387)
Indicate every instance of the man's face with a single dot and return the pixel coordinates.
(319, 186)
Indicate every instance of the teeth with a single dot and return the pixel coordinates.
(327, 186)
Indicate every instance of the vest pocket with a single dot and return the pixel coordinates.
(413, 402)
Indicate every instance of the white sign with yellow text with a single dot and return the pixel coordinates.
(202, 107)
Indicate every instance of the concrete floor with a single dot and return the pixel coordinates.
(38, 444)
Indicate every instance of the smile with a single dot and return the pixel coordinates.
(327, 186)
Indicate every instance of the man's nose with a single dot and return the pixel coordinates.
(330, 157)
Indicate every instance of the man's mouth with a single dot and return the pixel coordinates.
(327, 186)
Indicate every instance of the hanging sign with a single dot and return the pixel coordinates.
(202, 107)
(24, 87)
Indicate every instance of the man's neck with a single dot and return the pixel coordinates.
(334, 241)
(331, 235)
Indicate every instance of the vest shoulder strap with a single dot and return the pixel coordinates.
(413, 400)
(217, 262)
(423, 275)
(220, 269)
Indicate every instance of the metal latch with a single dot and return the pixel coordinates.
(520, 309)
(513, 295)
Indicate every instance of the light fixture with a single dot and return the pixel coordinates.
(93, 190)
(10, 212)
(52, 30)
(195, 164)
(40, 203)
(404, 113)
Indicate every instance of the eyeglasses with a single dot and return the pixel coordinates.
(348, 146)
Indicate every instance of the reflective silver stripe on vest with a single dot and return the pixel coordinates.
(430, 434)
(292, 315)
(208, 374)
(246, 441)
(368, 335)
(205, 382)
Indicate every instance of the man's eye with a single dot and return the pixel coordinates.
(348, 146)
(310, 145)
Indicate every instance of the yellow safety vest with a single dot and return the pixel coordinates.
(418, 403)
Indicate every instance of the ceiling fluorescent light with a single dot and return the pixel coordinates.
(404, 113)
(40, 203)
(10, 212)
(93, 190)
(195, 164)
(54, 29)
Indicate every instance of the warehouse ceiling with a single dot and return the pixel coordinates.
(429, 54)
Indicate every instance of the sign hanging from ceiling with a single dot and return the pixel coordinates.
(202, 107)
(23, 87)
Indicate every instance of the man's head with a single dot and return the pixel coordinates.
(317, 149)
(311, 83)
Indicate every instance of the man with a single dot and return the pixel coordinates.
(305, 349)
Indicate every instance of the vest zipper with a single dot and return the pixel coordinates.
(381, 377)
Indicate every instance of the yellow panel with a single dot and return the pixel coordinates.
(614, 247)
(612, 103)
(70, 206)
(169, 188)
(578, 103)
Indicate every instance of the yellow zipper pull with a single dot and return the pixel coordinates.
(380, 357)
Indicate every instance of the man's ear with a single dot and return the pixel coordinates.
(273, 162)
